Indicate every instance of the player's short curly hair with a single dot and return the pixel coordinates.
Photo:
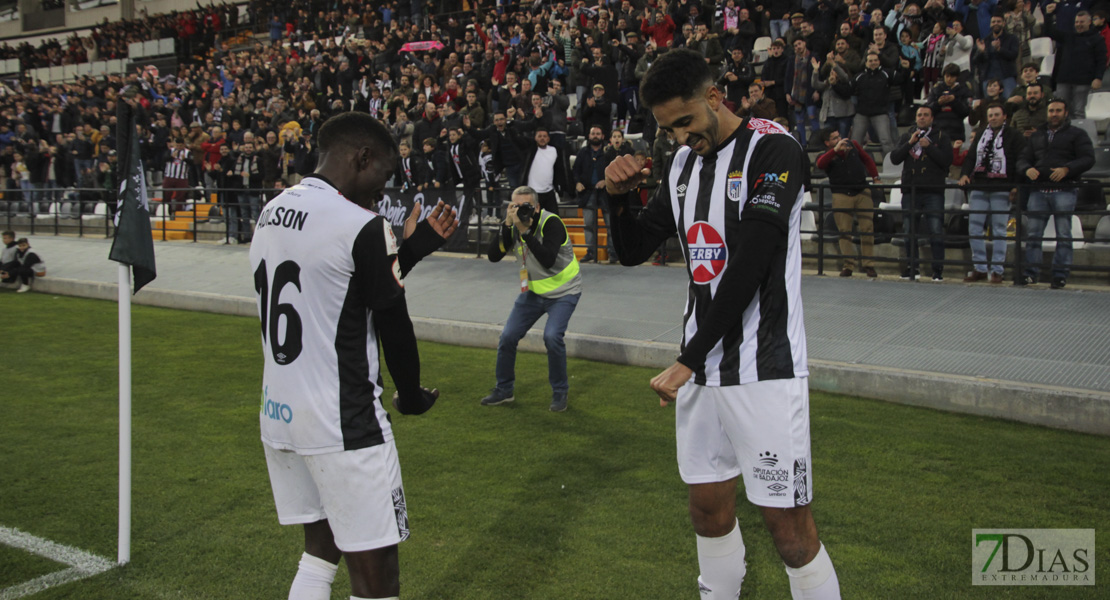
(355, 130)
(681, 73)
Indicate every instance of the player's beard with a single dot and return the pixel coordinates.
(709, 134)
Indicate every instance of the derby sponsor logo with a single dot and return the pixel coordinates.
(708, 253)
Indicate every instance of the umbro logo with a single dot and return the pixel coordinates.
(681, 189)
(776, 487)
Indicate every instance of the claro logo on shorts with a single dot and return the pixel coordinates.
(275, 410)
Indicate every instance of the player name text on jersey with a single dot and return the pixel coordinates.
(286, 217)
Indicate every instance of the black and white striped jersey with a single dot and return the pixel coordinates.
(755, 175)
(322, 265)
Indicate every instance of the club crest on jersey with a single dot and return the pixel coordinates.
(708, 253)
(734, 189)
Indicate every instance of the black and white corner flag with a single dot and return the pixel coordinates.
(133, 244)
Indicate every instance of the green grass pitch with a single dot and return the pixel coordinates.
(505, 503)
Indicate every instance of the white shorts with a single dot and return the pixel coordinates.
(759, 430)
(359, 492)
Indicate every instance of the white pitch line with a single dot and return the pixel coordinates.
(82, 564)
(42, 583)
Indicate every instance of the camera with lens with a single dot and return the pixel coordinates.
(525, 212)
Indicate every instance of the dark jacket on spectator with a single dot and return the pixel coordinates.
(598, 114)
(872, 90)
(775, 70)
(417, 174)
(425, 129)
(1004, 56)
(737, 90)
(588, 169)
(606, 75)
(1070, 147)
(269, 163)
(928, 171)
(467, 150)
(850, 171)
(437, 165)
(950, 117)
(1080, 57)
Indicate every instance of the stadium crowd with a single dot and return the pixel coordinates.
(475, 91)
(196, 29)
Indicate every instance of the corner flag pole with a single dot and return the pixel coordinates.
(124, 556)
(132, 248)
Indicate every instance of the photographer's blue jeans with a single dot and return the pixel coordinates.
(999, 204)
(1060, 205)
(528, 309)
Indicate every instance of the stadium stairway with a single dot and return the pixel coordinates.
(186, 224)
(576, 227)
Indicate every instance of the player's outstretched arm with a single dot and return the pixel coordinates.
(636, 239)
(424, 237)
(403, 360)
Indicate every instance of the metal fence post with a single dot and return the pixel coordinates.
(1019, 232)
(820, 230)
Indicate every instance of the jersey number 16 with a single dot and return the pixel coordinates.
(272, 310)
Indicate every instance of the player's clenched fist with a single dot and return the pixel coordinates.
(623, 175)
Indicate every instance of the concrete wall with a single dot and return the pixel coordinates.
(93, 16)
(1061, 408)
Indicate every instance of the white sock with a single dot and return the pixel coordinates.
(313, 580)
(815, 581)
(721, 561)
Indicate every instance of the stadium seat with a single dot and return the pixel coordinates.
(572, 104)
(809, 226)
(968, 129)
(1098, 107)
(50, 212)
(759, 51)
(1102, 163)
(821, 196)
(954, 199)
(890, 170)
(100, 209)
(1087, 125)
(894, 198)
(1101, 238)
(1040, 48)
(1048, 64)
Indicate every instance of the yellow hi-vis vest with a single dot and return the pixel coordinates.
(563, 278)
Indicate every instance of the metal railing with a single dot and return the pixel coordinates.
(909, 213)
(84, 211)
(232, 213)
